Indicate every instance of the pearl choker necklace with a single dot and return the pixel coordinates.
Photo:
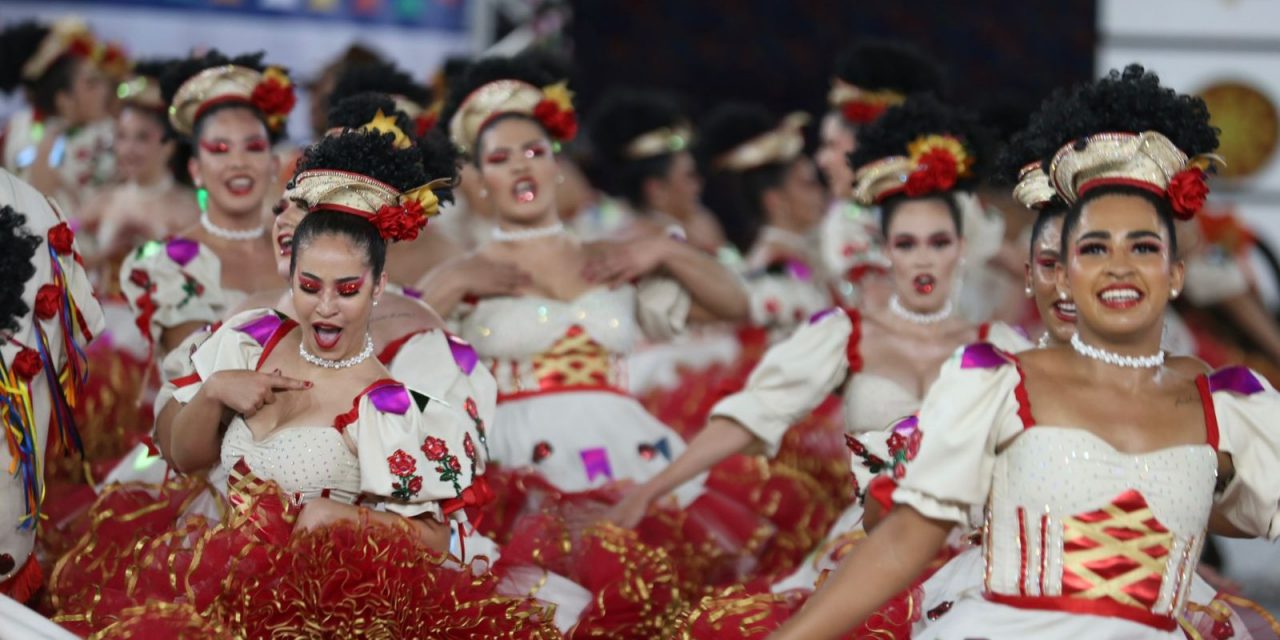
(230, 234)
(1133, 362)
(502, 235)
(338, 364)
(895, 306)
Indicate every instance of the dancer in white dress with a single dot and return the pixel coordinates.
(1103, 542)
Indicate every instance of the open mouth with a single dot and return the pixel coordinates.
(327, 335)
(1065, 311)
(525, 190)
(240, 185)
(285, 241)
(1120, 297)
(924, 283)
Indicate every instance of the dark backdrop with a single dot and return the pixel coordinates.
(780, 52)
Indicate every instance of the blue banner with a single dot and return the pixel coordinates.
(444, 15)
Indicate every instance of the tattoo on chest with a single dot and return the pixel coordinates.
(1186, 399)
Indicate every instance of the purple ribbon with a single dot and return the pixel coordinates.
(182, 250)
(799, 270)
(907, 426)
(261, 329)
(1236, 380)
(390, 398)
(596, 462)
(463, 354)
(823, 315)
(982, 355)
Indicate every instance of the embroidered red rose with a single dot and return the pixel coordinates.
(935, 172)
(139, 278)
(27, 364)
(61, 238)
(541, 451)
(415, 484)
(401, 463)
(434, 448)
(859, 112)
(273, 97)
(472, 409)
(452, 464)
(469, 447)
(401, 222)
(1187, 192)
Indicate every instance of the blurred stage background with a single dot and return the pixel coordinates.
(997, 52)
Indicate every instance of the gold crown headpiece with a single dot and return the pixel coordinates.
(659, 142)
(1033, 190)
(1147, 160)
(859, 106)
(933, 164)
(71, 36)
(141, 91)
(780, 144)
(397, 215)
(269, 91)
(552, 106)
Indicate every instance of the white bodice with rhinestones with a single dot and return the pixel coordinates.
(306, 462)
(1143, 515)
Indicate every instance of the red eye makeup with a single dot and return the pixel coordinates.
(350, 287)
(309, 284)
(215, 147)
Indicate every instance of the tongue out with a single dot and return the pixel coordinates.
(525, 191)
(327, 336)
(924, 284)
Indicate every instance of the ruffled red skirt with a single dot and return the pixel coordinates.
(135, 573)
(800, 491)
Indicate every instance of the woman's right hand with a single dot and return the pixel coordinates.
(631, 509)
(246, 392)
(487, 277)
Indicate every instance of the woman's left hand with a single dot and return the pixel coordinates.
(323, 512)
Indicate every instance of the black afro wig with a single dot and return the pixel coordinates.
(17, 249)
(880, 65)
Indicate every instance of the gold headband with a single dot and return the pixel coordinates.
(1033, 189)
(858, 105)
(659, 142)
(500, 96)
(71, 35)
(780, 144)
(397, 215)
(269, 91)
(933, 163)
(141, 91)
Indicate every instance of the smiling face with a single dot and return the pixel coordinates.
(924, 251)
(1119, 270)
(234, 162)
(519, 171)
(288, 214)
(837, 142)
(333, 292)
(1059, 316)
(142, 153)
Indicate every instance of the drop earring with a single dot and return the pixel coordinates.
(202, 196)
(1174, 294)
(1029, 292)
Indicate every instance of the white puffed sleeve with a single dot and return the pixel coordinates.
(792, 379)
(1247, 406)
(1006, 338)
(237, 345)
(784, 294)
(417, 455)
(950, 456)
(171, 283)
(662, 307)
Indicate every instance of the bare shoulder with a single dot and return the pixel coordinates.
(397, 304)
